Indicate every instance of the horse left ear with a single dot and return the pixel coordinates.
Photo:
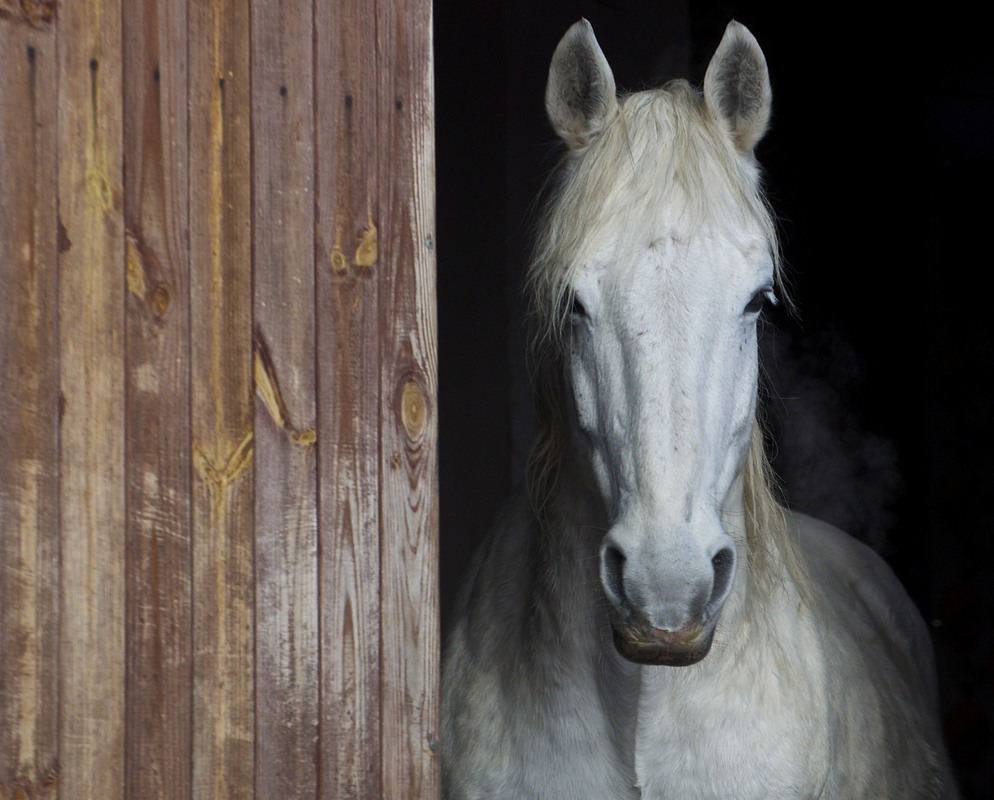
(580, 96)
(737, 87)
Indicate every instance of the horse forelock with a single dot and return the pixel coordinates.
(662, 143)
(663, 150)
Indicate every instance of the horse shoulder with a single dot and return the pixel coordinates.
(477, 658)
(868, 598)
(879, 665)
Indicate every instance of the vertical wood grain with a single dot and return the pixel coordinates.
(219, 411)
(348, 275)
(409, 480)
(29, 423)
(287, 661)
(222, 405)
(91, 361)
(157, 390)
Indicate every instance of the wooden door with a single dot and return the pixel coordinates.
(218, 480)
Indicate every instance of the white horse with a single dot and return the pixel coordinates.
(649, 622)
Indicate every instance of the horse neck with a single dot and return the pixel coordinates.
(570, 527)
(571, 538)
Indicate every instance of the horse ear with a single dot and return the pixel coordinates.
(737, 87)
(580, 94)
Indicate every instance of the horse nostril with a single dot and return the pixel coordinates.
(613, 566)
(723, 564)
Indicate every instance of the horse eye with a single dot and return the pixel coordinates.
(755, 305)
(576, 310)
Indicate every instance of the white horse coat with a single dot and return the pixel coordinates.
(649, 623)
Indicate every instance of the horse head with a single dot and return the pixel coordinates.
(660, 253)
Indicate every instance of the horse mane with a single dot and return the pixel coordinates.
(662, 142)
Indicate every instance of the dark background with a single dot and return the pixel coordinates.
(879, 164)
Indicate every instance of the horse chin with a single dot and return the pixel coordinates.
(642, 647)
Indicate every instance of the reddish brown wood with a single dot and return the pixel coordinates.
(408, 484)
(221, 398)
(91, 361)
(29, 422)
(287, 661)
(157, 392)
(348, 276)
(215, 240)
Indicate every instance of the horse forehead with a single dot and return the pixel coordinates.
(707, 260)
(740, 235)
(710, 251)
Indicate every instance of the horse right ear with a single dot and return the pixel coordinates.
(737, 87)
(580, 95)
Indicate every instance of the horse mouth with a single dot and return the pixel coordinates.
(645, 645)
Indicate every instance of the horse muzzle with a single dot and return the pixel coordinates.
(661, 613)
(643, 644)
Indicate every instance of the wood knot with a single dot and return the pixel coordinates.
(35, 13)
(339, 263)
(160, 300)
(134, 266)
(413, 410)
(366, 248)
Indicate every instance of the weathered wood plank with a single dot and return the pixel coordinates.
(287, 657)
(349, 413)
(157, 432)
(409, 481)
(222, 404)
(91, 336)
(29, 416)
(167, 470)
